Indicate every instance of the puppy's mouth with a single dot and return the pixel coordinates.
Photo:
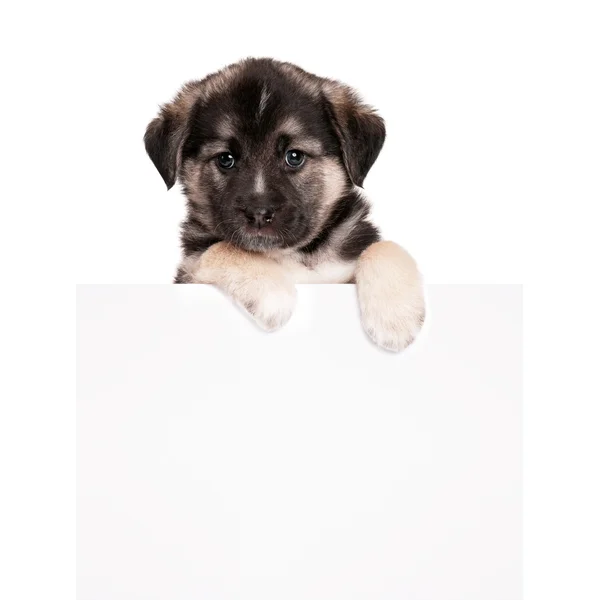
(265, 231)
(255, 238)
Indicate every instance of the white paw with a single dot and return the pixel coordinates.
(392, 323)
(391, 296)
(270, 302)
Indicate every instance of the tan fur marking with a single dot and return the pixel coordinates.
(334, 182)
(209, 149)
(191, 176)
(309, 145)
(225, 128)
(291, 127)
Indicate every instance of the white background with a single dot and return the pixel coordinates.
(217, 461)
(62, 76)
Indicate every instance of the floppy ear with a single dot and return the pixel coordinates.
(166, 133)
(361, 131)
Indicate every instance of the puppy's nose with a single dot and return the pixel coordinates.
(259, 216)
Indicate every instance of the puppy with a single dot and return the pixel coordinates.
(271, 160)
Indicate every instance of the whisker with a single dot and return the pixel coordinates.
(221, 223)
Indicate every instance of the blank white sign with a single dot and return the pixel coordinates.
(218, 462)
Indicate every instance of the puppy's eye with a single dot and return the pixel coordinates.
(226, 160)
(295, 158)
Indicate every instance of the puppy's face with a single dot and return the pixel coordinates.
(264, 151)
(262, 162)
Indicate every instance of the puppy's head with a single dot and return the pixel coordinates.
(264, 150)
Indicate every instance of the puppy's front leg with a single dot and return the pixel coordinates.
(254, 281)
(390, 294)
